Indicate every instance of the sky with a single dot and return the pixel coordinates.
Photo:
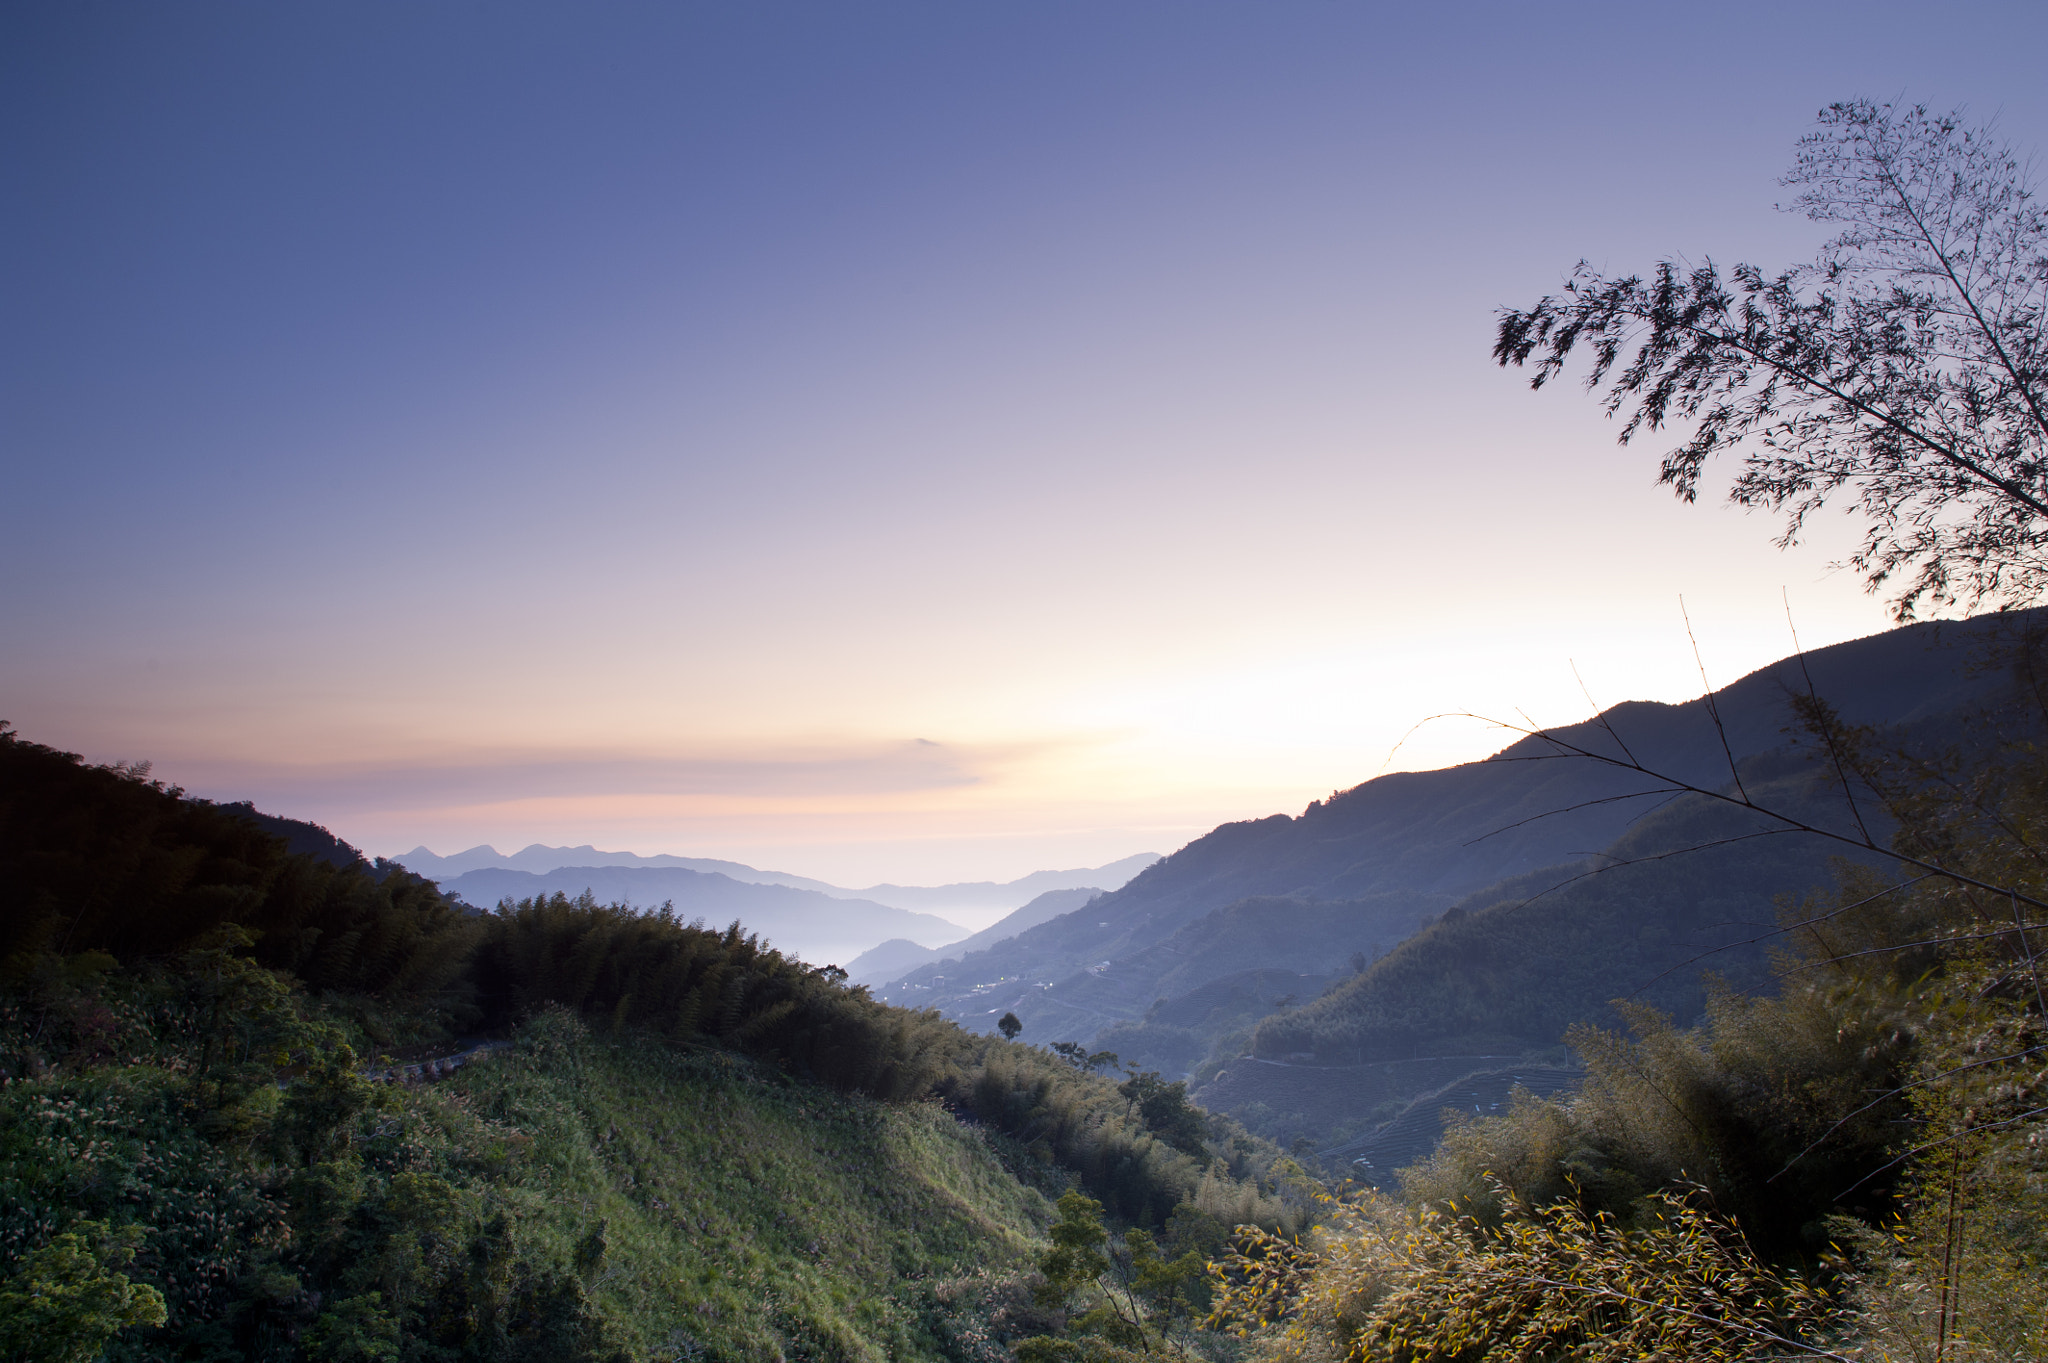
(908, 442)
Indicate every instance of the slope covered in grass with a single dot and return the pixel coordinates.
(686, 1145)
(576, 1196)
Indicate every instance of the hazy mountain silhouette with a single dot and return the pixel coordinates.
(820, 928)
(973, 897)
(989, 894)
(539, 859)
(896, 956)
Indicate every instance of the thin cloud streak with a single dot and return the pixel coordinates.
(918, 766)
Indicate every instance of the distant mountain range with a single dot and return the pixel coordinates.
(539, 859)
(822, 929)
(819, 922)
(897, 956)
(969, 899)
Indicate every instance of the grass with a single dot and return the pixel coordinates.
(746, 1215)
(581, 1195)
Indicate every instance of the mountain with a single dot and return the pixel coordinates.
(895, 957)
(969, 899)
(1060, 999)
(817, 927)
(1482, 859)
(539, 859)
(301, 837)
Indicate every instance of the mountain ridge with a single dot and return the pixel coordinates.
(542, 859)
(819, 928)
(898, 955)
(1466, 835)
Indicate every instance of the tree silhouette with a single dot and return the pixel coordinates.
(1905, 367)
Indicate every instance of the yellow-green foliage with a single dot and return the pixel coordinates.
(1382, 1282)
(1881, 1125)
(1768, 1105)
(70, 1297)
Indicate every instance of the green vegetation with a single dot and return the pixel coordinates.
(1122, 1297)
(686, 1146)
(576, 1196)
(70, 1297)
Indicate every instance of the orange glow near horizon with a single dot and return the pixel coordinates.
(909, 443)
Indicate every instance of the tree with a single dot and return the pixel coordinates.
(1166, 1111)
(1904, 369)
(1008, 1025)
(1076, 1259)
(1077, 1055)
(1072, 1270)
(69, 1298)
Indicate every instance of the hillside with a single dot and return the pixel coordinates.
(1512, 974)
(1456, 831)
(622, 1199)
(1262, 934)
(667, 1141)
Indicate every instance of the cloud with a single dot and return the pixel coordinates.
(855, 773)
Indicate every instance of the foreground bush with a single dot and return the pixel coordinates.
(1380, 1283)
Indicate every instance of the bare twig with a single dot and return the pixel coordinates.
(1713, 708)
(1936, 1145)
(1791, 824)
(1827, 730)
(1899, 1091)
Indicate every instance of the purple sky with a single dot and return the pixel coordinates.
(877, 441)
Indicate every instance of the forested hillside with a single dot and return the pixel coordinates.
(221, 1139)
(1554, 946)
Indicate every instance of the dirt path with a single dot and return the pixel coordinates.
(439, 1067)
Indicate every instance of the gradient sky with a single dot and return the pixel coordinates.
(877, 441)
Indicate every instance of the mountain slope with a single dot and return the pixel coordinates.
(1273, 934)
(1508, 973)
(1457, 831)
(898, 956)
